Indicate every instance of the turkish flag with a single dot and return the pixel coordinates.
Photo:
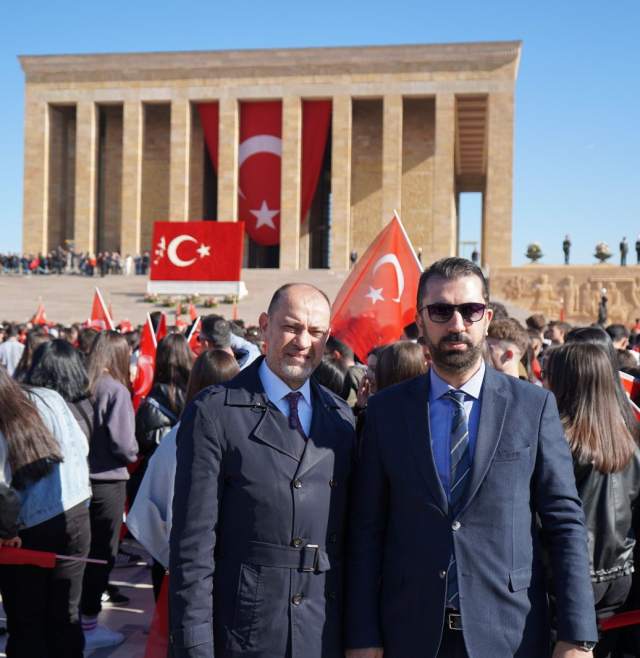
(10, 555)
(197, 251)
(40, 317)
(259, 160)
(193, 314)
(146, 363)
(379, 298)
(161, 331)
(179, 321)
(193, 341)
(100, 317)
(632, 387)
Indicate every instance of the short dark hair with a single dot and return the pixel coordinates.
(281, 291)
(12, 331)
(536, 321)
(86, 338)
(499, 311)
(411, 331)
(336, 345)
(217, 331)
(510, 332)
(450, 269)
(402, 360)
(617, 332)
(57, 365)
(625, 359)
(331, 373)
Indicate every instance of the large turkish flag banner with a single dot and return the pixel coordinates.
(378, 299)
(197, 251)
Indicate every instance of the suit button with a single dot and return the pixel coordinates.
(333, 539)
(297, 542)
(442, 573)
(456, 525)
(297, 484)
(296, 599)
(332, 595)
(333, 482)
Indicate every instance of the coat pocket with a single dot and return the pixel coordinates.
(511, 455)
(520, 579)
(248, 584)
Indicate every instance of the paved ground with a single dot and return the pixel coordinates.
(68, 298)
(131, 620)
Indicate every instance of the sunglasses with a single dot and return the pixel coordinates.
(470, 312)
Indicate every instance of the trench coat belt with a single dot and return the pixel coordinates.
(309, 557)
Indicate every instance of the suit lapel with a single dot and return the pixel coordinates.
(327, 428)
(416, 413)
(492, 412)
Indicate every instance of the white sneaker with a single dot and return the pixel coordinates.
(102, 637)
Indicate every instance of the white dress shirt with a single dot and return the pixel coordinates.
(276, 389)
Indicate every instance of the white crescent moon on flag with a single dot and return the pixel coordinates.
(172, 251)
(393, 259)
(258, 144)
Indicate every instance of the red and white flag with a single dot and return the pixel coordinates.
(379, 298)
(193, 341)
(179, 321)
(100, 317)
(193, 314)
(40, 317)
(632, 387)
(146, 363)
(161, 330)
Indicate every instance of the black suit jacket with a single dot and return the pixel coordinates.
(402, 533)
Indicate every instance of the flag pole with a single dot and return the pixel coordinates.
(395, 212)
(104, 308)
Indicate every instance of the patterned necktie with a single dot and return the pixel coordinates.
(460, 466)
(294, 419)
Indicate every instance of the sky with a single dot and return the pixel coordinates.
(577, 131)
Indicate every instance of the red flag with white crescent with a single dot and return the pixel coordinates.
(378, 299)
(146, 363)
(100, 317)
(40, 317)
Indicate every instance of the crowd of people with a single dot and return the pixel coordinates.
(76, 454)
(70, 261)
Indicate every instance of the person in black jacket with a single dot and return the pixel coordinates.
(607, 469)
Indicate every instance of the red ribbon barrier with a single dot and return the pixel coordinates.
(623, 619)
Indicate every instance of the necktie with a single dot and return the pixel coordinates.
(460, 465)
(294, 419)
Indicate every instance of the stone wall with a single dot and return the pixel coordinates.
(110, 178)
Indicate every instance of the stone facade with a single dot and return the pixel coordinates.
(114, 143)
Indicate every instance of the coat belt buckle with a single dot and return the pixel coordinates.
(454, 621)
(315, 558)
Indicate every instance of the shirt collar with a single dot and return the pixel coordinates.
(276, 389)
(439, 387)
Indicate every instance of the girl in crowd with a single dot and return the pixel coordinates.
(113, 447)
(57, 365)
(400, 361)
(34, 339)
(47, 466)
(606, 465)
(149, 519)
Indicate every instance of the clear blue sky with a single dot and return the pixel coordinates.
(577, 142)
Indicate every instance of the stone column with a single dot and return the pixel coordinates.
(391, 157)
(497, 201)
(341, 128)
(291, 182)
(444, 242)
(179, 159)
(86, 176)
(132, 141)
(35, 225)
(228, 136)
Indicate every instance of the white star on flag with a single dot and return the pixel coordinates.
(203, 250)
(375, 294)
(264, 216)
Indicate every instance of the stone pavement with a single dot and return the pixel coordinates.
(68, 298)
(132, 620)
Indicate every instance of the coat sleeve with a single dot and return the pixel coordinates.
(560, 511)
(119, 421)
(9, 500)
(197, 498)
(367, 528)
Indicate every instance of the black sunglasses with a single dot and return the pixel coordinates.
(470, 312)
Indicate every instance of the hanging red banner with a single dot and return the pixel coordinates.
(259, 160)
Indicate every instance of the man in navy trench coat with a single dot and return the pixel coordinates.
(260, 501)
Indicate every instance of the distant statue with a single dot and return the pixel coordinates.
(602, 309)
(571, 295)
(475, 255)
(566, 247)
(624, 250)
(353, 257)
(638, 249)
(420, 255)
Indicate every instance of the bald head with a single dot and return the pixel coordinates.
(288, 289)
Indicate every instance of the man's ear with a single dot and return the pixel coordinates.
(263, 323)
(418, 318)
(509, 355)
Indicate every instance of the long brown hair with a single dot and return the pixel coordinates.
(109, 354)
(580, 376)
(400, 361)
(33, 450)
(34, 339)
(173, 365)
(211, 367)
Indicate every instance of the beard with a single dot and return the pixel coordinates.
(454, 360)
(297, 373)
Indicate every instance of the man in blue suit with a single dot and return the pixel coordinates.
(444, 552)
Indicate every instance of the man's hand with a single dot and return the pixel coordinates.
(566, 650)
(374, 652)
(16, 542)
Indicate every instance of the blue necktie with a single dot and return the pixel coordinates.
(460, 465)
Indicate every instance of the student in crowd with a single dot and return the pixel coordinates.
(47, 466)
(11, 349)
(508, 343)
(607, 469)
(113, 448)
(34, 339)
(332, 373)
(400, 361)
